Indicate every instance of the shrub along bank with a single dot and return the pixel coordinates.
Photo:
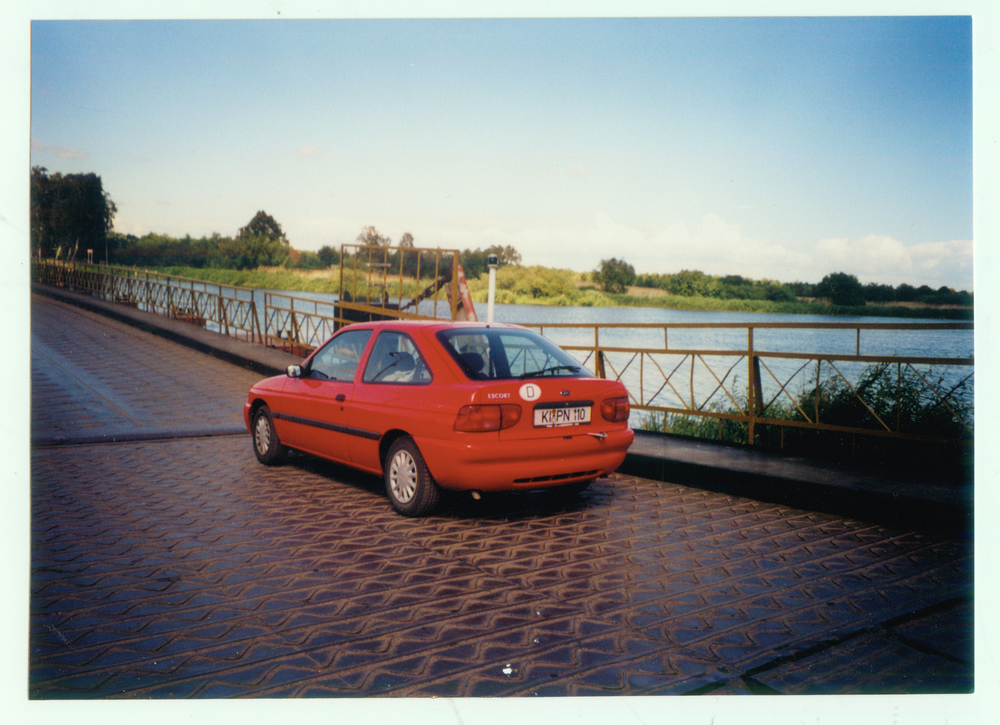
(902, 399)
(546, 286)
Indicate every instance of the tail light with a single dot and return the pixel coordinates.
(484, 418)
(615, 409)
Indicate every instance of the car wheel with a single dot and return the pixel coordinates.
(410, 486)
(265, 438)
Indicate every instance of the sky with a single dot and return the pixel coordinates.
(779, 148)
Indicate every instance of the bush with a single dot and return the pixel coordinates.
(615, 275)
(903, 401)
(842, 289)
(528, 285)
(251, 251)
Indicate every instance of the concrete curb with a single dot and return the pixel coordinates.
(869, 494)
(252, 356)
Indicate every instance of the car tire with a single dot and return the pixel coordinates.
(411, 489)
(266, 444)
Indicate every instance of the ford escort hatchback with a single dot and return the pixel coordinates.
(433, 405)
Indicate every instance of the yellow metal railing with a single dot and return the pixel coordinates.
(703, 382)
(295, 323)
(383, 282)
(231, 309)
(377, 283)
(683, 379)
(289, 322)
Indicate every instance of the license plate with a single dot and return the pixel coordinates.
(557, 417)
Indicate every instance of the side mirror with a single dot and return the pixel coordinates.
(294, 371)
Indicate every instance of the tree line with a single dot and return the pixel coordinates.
(842, 289)
(262, 243)
(69, 213)
(72, 212)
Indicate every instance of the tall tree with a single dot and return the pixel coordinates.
(328, 255)
(369, 236)
(250, 251)
(474, 261)
(841, 289)
(69, 213)
(263, 225)
(615, 275)
(506, 255)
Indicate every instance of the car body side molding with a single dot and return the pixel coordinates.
(359, 432)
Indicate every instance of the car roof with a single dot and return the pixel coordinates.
(429, 325)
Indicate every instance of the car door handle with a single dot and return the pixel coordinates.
(341, 398)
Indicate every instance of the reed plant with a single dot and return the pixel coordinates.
(938, 408)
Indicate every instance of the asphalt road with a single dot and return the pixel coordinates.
(167, 563)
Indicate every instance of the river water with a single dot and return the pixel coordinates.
(926, 343)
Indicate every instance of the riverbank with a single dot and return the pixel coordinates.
(328, 282)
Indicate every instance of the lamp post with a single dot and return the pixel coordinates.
(493, 263)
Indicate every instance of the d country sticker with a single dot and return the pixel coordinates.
(530, 392)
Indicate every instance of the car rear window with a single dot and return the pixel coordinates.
(503, 354)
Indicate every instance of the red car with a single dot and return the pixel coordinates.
(434, 405)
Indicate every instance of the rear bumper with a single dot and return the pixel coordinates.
(489, 464)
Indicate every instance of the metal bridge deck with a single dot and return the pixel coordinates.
(171, 564)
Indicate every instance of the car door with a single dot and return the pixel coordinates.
(315, 409)
(393, 393)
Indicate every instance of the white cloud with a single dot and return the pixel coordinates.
(947, 260)
(890, 261)
(62, 152)
(309, 152)
(126, 225)
(715, 246)
(868, 256)
(712, 245)
(933, 254)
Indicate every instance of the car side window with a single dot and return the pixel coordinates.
(339, 358)
(396, 359)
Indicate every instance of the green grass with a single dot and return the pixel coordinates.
(259, 278)
(291, 281)
(591, 297)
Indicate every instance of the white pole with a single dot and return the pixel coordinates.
(493, 294)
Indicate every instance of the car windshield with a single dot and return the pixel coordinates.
(504, 354)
